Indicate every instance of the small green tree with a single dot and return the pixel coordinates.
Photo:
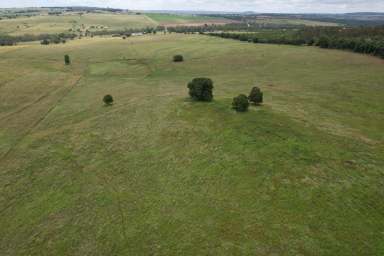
(108, 100)
(45, 42)
(201, 89)
(67, 60)
(256, 96)
(178, 58)
(240, 103)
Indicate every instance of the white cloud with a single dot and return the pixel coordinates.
(293, 6)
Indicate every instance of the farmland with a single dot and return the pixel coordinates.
(76, 22)
(157, 173)
(186, 20)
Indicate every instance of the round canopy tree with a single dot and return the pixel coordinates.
(108, 100)
(256, 96)
(200, 89)
(240, 103)
(178, 58)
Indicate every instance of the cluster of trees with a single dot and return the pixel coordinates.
(359, 45)
(256, 38)
(47, 38)
(243, 26)
(242, 102)
(361, 40)
(126, 32)
(200, 89)
(368, 40)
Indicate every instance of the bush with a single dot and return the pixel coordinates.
(45, 42)
(108, 100)
(178, 58)
(56, 40)
(201, 89)
(240, 103)
(256, 96)
(67, 60)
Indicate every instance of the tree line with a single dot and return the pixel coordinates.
(361, 40)
(7, 40)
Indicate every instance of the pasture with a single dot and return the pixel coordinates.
(50, 24)
(159, 174)
(76, 22)
(186, 20)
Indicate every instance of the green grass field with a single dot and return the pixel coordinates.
(173, 19)
(57, 24)
(47, 24)
(72, 22)
(157, 174)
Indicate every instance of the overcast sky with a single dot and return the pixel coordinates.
(292, 6)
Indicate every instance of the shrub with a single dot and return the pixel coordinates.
(201, 89)
(256, 96)
(108, 100)
(67, 60)
(56, 40)
(240, 103)
(45, 42)
(178, 58)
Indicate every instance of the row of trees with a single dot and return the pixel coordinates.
(48, 38)
(368, 45)
(244, 26)
(45, 39)
(256, 38)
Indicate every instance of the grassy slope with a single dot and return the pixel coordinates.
(57, 24)
(158, 174)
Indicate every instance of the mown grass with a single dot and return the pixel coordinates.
(158, 174)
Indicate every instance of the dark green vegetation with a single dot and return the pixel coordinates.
(361, 40)
(240, 103)
(200, 89)
(67, 60)
(6, 40)
(256, 96)
(157, 174)
(108, 100)
(178, 58)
